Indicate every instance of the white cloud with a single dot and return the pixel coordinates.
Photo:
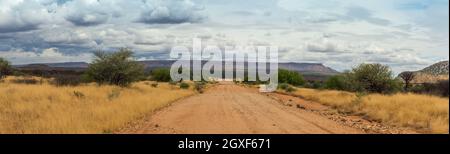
(24, 15)
(65, 35)
(20, 15)
(92, 12)
(50, 55)
(51, 52)
(323, 44)
(171, 12)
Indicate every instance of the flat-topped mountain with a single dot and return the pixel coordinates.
(152, 64)
(311, 71)
(308, 68)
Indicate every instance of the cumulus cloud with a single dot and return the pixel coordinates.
(91, 12)
(20, 15)
(328, 43)
(24, 15)
(338, 33)
(373, 49)
(322, 45)
(171, 12)
(88, 19)
(66, 35)
(50, 55)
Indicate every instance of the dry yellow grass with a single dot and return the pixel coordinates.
(43, 108)
(423, 112)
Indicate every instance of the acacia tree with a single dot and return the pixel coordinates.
(118, 68)
(375, 78)
(5, 68)
(407, 78)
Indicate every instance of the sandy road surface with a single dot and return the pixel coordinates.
(228, 108)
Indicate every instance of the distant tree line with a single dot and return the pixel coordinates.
(439, 88)
(377, 78)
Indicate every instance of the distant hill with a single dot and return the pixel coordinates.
(309, 68)
(68, 66)
(311, 71)
(440, 68)
(433, 73)
(306, 68)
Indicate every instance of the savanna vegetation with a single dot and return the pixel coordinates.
(115, 90)
(88, 108)
(371, 90)
(423, 112)
(109, 94)
(376, 78)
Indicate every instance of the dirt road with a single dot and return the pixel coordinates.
(229, 108)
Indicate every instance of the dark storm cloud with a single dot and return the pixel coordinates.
(16, 28)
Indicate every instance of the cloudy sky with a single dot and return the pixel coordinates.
(405, 34)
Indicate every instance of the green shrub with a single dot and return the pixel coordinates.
(5, 68)
(336, 82)
(290, 77)
(116, 68)
(286, 87)
(161, 75)
(290, 89)
(314, 85)
(184, 85)
(283, 86)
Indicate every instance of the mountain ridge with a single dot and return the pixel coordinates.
(440, 68)
(307, 68)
